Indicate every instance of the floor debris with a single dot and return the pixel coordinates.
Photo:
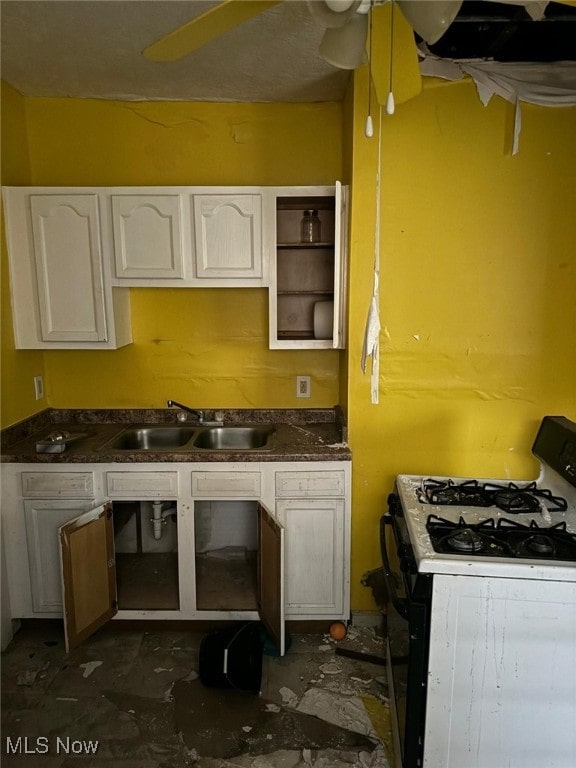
(147, 708)
(345, 711)
(331, 668)
(288, 697)
(89, 667)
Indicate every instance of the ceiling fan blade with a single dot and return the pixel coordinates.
(406, 80)
(205, 28)
(430, 19)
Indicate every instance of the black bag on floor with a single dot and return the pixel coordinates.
(232, 658)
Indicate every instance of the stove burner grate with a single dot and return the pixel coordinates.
(509, 498)
(502, 538)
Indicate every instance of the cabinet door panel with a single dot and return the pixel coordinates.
(340, 266)
(314, 551)
(68, 256)
(43, 519)
(313, 483)
(226, 484)
(142, 485)
(148, 235)
(88, 574)
(61, 485)
(271, 575)
(228, 236)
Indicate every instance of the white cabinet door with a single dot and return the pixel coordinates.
(43, 520)
(307, 286)
(68, 257)
(315, 556)
(228, 238)
(148, 235)
(62, 297)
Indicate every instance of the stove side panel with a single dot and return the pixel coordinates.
(502, 674)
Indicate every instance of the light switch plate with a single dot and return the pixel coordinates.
(38, 387)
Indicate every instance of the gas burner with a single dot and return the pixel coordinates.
(466, 540)
(515, 501)
(540, 545)
(448, 493)
(509, 498)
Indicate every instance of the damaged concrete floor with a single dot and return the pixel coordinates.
(132, 698)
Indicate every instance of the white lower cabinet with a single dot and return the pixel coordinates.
(180, 541)
(314, 508)
(314, 556)
(43, 520)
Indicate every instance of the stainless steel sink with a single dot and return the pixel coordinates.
(166, 438)
(234, 438)
(151, 439)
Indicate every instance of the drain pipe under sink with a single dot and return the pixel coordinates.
(158, 518)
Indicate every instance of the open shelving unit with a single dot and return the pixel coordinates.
(305, 275)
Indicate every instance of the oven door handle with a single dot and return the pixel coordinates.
(401, 604)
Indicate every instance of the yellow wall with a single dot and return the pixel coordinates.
(477, 294)
(477, 276)
(206, 347)
(17, 400)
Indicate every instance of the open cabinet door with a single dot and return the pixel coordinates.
(88, 574)
(271, 576)
(340, 265)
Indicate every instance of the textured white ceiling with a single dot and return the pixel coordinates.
(92, 48)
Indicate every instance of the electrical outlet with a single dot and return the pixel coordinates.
(38, 387)
(302, 386)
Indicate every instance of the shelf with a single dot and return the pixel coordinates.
(303, 246)
(305, 273)
(295, 334)
(304, 292)
(303, 202)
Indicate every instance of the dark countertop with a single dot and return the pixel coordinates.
(316, 434)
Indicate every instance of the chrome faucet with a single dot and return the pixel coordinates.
(184, 409)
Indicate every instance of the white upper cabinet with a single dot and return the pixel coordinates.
(68, 252)
(307, 291)
(59, 274)
(148, 235)
(73, 253)
(187, 236)
(228, 238)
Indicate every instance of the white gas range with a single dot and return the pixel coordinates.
(482, 573)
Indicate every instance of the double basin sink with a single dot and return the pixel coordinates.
(174, 438)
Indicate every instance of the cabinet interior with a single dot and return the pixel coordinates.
(146, 553)
(304, 271)
(226, 554)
